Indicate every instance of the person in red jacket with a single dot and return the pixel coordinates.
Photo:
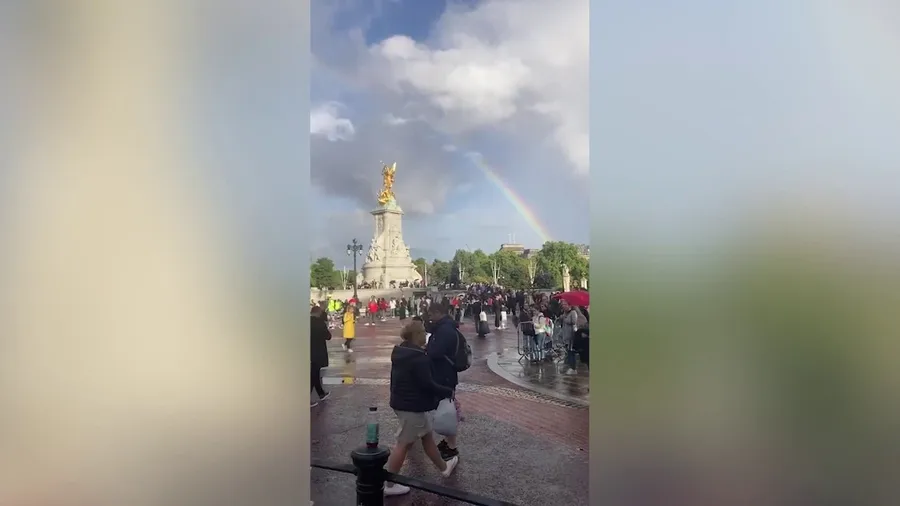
(372, 311)
(382, 309)
(455, 310)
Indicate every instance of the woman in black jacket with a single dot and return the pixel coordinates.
(414, 395)
(318, 351)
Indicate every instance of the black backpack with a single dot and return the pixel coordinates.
(463, 358)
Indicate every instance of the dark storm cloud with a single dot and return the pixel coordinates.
(352, 169)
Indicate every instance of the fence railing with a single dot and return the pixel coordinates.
(368, 467)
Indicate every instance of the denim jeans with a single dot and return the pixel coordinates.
(571, 354)
(539, 341)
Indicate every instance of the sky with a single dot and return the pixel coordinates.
(704, 112)
(698, 112)
(447, 90)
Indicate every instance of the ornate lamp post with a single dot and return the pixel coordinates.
(354, 249)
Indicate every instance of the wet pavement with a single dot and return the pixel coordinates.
(515, 444)
(498, 352)
(546, 377)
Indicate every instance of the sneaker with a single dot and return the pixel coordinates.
(447, 453)
(344, 347)
(451, 465)
(313, 404)
(571, 372)
(391, 489)
(327, 395)
(349, 350)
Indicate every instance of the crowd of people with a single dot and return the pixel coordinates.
(425, 364)
(554, 322)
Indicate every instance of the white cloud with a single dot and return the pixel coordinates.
(450, 148)
(392, 120)
(503, 61)
(326, 121)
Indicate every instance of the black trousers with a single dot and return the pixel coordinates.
(316, 380)
(581, 345)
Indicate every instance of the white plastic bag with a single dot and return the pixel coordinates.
(444, 422)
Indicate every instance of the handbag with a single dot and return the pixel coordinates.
(445, 418)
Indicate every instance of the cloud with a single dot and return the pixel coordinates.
(424, 172)
(325, 121)
(506, 79)
(392, 120)
(500, 62)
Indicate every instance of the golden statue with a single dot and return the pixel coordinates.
(387, 187)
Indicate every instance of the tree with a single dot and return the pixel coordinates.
(351, 278)
(513, 269)
(439, 272)
(556, 253)
(481, 268)
(543, 280)
(323, 275)
(423, 268)
(469, 264)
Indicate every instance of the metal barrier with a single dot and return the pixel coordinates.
(368, 467)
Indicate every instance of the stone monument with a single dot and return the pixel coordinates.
(388, 258)
(566, 278)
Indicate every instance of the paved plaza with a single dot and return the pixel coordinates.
(524, 438)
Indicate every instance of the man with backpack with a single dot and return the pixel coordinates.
(450, 354)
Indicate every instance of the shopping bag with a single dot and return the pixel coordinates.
(445, 418)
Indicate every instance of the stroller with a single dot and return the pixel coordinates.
(335, 320)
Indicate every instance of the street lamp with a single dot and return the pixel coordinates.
(354, 249)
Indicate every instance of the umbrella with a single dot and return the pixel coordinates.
(576, 298)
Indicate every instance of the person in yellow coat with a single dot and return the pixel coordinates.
(349, 327)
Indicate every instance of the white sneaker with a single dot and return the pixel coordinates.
(571, 372)
(344, 347)
(349, 350)
(395, 489)
(451, 465)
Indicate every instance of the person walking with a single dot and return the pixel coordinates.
(372, 311)
(441, 349)
(569, 321)
(318, 351)
(476, 310)
(414, 394)
(401, 309)
(349, 327)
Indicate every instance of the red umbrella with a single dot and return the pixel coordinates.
(576, 298)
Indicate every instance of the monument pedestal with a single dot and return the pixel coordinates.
(388, 258)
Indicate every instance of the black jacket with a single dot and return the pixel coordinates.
(413, 387)
(318, 334)
(442, 346)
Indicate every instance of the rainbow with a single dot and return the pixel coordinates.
(517, 202)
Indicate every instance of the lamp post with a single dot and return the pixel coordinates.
(354, 249)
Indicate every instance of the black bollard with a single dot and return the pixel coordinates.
(369, 463)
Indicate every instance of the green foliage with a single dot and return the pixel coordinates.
(478, 267)
(423, 267)
(438, 272)
(323, 274)
(513, 269)
(556, 253)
